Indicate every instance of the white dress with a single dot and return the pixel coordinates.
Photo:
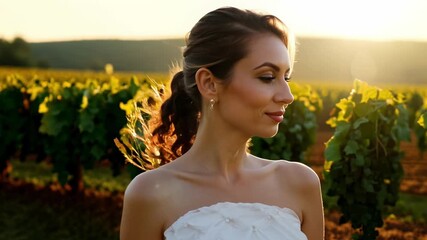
(237, 221)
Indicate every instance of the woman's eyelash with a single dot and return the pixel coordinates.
(269, 78)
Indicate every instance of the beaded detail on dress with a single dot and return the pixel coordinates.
(241, 221)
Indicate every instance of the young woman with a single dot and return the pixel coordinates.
(233, 86)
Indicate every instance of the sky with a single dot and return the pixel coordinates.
(58, 20)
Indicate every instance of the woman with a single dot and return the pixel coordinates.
(233, 86)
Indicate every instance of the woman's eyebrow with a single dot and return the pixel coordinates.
(272, 65)
(268, 64)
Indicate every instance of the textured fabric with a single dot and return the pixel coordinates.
(237, 221)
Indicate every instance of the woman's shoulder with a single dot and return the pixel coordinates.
(285, 165)
(150, 186)
(294, 173)
(295, 167)
(298, 174)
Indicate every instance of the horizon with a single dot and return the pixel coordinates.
(183, 38)
(317, 58)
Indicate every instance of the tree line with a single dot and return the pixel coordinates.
(17, 52)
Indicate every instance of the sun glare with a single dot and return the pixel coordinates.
(374, 19)
(129, 19)
(377, 20)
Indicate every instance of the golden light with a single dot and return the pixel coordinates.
(377, 20)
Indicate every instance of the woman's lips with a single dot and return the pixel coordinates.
(276, 116)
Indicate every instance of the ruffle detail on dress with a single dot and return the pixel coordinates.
(237, 221)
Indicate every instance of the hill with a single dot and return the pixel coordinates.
(317, 58)
(143, 55)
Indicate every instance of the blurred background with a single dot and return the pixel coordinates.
(378, 41)
(68, 42)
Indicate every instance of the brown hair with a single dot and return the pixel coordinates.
(217, 41)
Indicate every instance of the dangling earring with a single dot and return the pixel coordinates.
(212, 103)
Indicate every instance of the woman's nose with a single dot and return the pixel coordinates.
(284, 94)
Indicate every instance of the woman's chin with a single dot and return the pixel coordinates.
(269, 134)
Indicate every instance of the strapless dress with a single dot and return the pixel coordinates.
(237, 221)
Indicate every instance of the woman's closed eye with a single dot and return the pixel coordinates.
(269, 78)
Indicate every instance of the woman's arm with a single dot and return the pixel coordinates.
(141, 216)
(312, 206)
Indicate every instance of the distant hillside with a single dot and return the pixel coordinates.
(144, 55)
(317, 58)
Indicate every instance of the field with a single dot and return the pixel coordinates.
(95, 214)
(31, 193)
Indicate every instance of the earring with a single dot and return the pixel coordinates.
(212, 103)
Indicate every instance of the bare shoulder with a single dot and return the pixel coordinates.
(145, 205)
(307, 198)
(297, 174)
(145, 187)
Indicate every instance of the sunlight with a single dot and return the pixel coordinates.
(80, 19)
(375, 19)
(378, 20)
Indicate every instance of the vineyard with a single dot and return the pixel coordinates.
(65, 138)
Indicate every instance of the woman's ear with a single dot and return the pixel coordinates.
(206, 83)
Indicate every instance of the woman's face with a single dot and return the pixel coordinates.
(257, 95)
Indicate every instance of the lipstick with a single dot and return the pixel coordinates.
(276, 116)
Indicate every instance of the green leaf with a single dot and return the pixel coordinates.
(368, 131)
(342, 130)
(360, 162)
(351, 148)
(332, 151)
(367, 185)
(332, 122)
(369, 93)
(359, 121)
(422, 121)
(86, 122)
(403, 131)
(386, 95)
(360, 86)
(268, 140)
(363, 109)
(346, 107)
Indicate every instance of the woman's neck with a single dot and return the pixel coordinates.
(220, 150)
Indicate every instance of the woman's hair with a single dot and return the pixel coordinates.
(217, 42)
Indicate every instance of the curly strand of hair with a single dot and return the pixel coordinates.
(176, 127)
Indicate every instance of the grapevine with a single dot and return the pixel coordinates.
(362, 166)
